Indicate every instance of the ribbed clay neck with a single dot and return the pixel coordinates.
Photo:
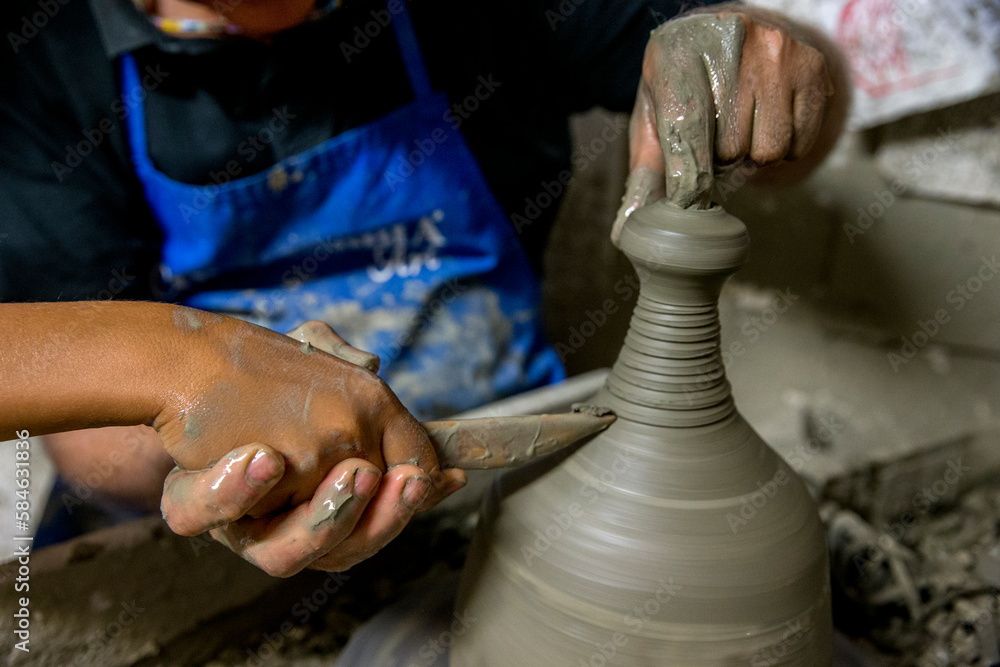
(670, 370)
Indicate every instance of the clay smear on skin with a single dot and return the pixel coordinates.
(338, 504)
(708, 76)
(189, 320)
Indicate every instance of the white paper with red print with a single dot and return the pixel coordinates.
(908, 56)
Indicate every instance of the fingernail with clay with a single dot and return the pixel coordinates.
(262, 469)
(415, 490)
(365, 482)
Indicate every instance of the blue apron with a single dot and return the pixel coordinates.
(388, 232)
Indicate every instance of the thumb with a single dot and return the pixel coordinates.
(198, 500)
(322, 336)
(646, 176)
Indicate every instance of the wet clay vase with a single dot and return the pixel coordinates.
(675, 537)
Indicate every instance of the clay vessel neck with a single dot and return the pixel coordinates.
(670, 371)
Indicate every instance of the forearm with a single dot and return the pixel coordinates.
(68, 366)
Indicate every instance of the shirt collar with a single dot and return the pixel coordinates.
(123, 27)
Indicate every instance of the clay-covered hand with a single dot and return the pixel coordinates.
(374, 467)
(353, 514)
(210, 385)
(724, 87)
(316, 409)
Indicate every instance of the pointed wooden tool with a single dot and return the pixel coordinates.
(505, 442)
(477, 444)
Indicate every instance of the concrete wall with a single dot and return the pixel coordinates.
(865, 239)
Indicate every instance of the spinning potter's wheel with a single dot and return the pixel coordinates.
(677, 536)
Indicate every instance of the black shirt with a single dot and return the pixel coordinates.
(73, 220)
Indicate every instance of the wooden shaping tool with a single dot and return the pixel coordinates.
(503, 442)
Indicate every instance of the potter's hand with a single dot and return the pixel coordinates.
(354, 513)
(314, 408)
(209, 385)
(726, 87)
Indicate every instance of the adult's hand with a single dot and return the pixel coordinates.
(355, 511)
(724, 86)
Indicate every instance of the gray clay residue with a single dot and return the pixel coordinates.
(702, 67)
(676, 536)
(594, 410)
(192, 428)
(186, 319)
